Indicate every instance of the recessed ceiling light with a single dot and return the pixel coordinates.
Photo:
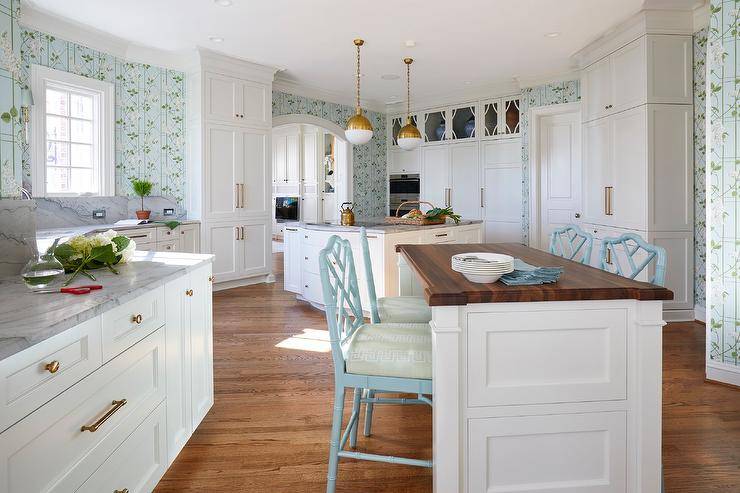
(467, 82)
(216, 39)
(390, 76)
(552, 35)
(223, 3)
(410, 43)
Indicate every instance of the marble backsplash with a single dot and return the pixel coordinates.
(17, 235)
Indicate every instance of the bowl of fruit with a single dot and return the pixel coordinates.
(435, 215)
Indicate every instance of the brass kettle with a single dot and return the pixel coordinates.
(348, 215)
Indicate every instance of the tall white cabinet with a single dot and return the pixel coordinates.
(230, 172)
(638, 149)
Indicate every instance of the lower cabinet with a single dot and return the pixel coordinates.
(241, 249)
(184, 238)
(291, 263)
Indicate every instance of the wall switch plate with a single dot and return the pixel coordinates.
(168, 212)
(98, 214)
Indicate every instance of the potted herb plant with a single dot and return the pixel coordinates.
(142, 188)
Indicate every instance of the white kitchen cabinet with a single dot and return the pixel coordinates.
(500, 118)
(241, 248)
(450, 178)
(235, 100)
(309, 207)
(651, 69)
(292, 260)
(597, 170)
(222, 240)
(254, 250)
(201, 343)
(189, 238)
(435, 176)
(404, 162)
(501, 181)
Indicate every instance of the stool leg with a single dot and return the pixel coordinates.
(369, 413)
(336, 430)
(356, 413)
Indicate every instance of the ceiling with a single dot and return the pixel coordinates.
(459, 44)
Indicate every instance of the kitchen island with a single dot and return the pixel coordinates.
(303, 241)
(551, 388)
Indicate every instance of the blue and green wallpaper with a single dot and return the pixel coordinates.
(10, 97)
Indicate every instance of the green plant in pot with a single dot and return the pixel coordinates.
(142, 188)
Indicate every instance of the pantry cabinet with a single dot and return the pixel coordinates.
(235, 100)
(450, 178)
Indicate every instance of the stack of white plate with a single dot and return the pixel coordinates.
(482, 267)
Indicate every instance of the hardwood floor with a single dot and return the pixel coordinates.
(268, 430)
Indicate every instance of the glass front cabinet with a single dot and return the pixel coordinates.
(501, 117)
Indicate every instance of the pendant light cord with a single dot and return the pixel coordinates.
(358, 76)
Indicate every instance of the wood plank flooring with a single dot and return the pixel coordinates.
(269, 428)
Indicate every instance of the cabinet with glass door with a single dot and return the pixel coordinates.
(500, 118)
(398, 122)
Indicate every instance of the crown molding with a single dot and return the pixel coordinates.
(216, 61)
(69, 30)
(289, 86)
(468, 94)
(701, 17)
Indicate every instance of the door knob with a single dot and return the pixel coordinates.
(578, 215)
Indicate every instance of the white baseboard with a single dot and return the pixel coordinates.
(722, 372)
(700, 313)
(678, 315)
(237, 283)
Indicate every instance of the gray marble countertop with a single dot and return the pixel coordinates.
(28, 318)
(71, 231)
(378, 226)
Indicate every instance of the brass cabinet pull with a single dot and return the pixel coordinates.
(243, 194)
(52, 367)
(482, 191)
(236, 232)
(608, 256)
(242, 229)
(137, 318)
(125, 490)
(94, 427)
(608, 191)
(188, 292)
(236, 190)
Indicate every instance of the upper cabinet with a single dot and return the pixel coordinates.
(233, 100)
(650, 69)
(399, 122)
(501, 117)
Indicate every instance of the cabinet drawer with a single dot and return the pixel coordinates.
(545, 357)
(48, 451)
(310, 258)
(312, 288)
(27, 378)
(168, 246)
(440, 235)
(125, 325)
(138, 464)
(318, 238)
(146, 246)
(167, 234)
(141, 235)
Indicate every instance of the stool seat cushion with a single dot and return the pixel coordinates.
(404, 309)
(390, 350)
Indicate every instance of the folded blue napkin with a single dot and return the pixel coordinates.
(525, 274)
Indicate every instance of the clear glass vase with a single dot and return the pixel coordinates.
(41, 271)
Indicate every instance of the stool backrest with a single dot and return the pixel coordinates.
(341, 295)
(572, 242)
(374, 316)
(632, 261)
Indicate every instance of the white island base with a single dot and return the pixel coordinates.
(545, 397)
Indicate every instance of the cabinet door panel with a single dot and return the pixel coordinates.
(465, 194)
(405, 162)
(190, 238)
(597, 89)
(254, 250)
(278, 158)
(596, 170)
(310, 158)
(222, 242)
(293, 158)
(629, 84)
(670, 69)
(254, 163)
(629, 162)
(435, 178)
(201, 343)
(255, 105)
(310, 207)
(223, 171)
(292, 264)
(222, 98)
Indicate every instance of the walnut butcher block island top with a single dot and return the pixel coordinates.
(444, 286)
(551, 388)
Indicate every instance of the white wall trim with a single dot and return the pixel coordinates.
(535, 114)
(701, 17)
(69, 30)
(722, 372)
(283, 84)
(700, 313)
(525, 82)
(467, 94)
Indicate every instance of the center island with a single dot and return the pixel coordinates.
(551, 388)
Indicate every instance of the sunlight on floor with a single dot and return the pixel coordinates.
(310, 340)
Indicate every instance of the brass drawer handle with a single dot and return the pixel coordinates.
(211, 278)
(94, 427)
(125, 490)
(52, 367)
(189, 292)
(137, 318)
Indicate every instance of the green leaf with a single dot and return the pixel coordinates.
(103, 254)
(63, 252)
(121, 242)
(171, 224)
(5, 117)
(13, 112)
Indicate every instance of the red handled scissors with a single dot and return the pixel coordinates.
(73, 290)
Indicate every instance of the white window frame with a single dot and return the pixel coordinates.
(41, 78)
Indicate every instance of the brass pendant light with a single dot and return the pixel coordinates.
(409, 137)
(359, 129)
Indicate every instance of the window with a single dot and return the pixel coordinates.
(72, 134)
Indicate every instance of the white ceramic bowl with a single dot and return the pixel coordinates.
(482, 278)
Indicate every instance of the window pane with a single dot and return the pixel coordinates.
(57, 154)
(57, 128)
(82, 131)
(81, 155)
(57, 180)
(81, 181)
(81, 106)
(57, 102)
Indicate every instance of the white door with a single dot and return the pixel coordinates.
(629, 173)
(253, 158)
(465, 195)
(201, 343)
(255, 249)
(222, 240)
(292, 158)
(435, 176)
(597, 170)
(224, 170)
(502, 191)
(560, 173)
(292, 260)
(278, 158)
(597, 85)
(223, 98)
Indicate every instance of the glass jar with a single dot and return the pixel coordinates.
(41, 271)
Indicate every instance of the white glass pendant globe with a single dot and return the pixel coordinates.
(359, 129)
(409, 144)
(409, 138)
(358, 137)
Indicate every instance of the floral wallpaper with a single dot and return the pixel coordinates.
(700, 169)
(532, 97)
(369, 160)
(10, 97)
(724, 178)
(149, 111)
